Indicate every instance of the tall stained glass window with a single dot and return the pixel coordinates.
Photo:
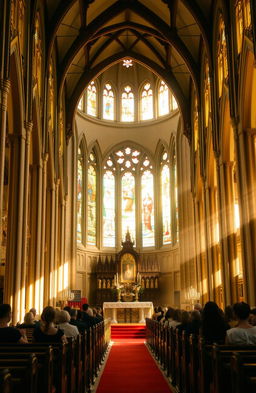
(79, 196)
(91, 190)
(166, 203)
(108, 102)
(222, 56)
(109, 237)
(163, 99)
(92, 99)
(147, 202)
(176, 197)
(127, 113)
(147, 111)
(128, 205)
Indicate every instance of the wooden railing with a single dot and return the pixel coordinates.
(53, 368)
(194, 367)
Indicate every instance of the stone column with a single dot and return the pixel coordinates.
(28, 128)
(4, 90)
(43, 278)
(38, 246)
(245, 145)
(224, 173)
(208, 231)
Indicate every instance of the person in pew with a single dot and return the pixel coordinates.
(214, 327)
(195, 323)
(185, 319)
(252, 319)
(7, 333)
(47, 332)
(67, 308)
(176, 319)
(169, 316)
(230, 316)
(75, 321)
(198, 307)
(63, 324)
(244, 333)
(98, 313)
(29, 321)
(87, 316)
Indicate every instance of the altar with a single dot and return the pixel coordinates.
(133, 312)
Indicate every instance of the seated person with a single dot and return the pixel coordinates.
(9, 334)
(185, 319)
(29, 321)
(244, 333)
(214, 327)
(87, 316)
(75, 321)
(195, 323)
(63, 324)
(47, 332)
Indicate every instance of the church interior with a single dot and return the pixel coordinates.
(128, 172)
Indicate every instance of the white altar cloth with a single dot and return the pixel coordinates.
(145, 309)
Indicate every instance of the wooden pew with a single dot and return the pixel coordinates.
(221, 364)
(5, 381)
(193, 363)
(23, 372)
(59, 361)
(243, 372)
(45, 364)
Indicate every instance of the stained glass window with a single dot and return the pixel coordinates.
(127, 105)
(79, 195)
(222, 56)
(91, 191)
(147, 111)
(163, 99)
(166, 208)
(176, 198)
(81, 104)
(174, 104)
(147, 201)
(207, 95)
(108, 102)
(109, 209)
(92, 99)
(128, 204)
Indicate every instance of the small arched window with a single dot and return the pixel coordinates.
(127, 112)
(222, 56)
(91, 199)
(207, 95)
(108, 102)
(163, 99)
(243, 20)
(166, 198)
(80, 196)
(109, 205)
(92, 99)
(147, 110)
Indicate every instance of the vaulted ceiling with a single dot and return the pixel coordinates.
(164, 35)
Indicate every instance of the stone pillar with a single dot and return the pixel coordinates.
(38, 246)
(28, 128)
(245, 145)
(4, 90)
(208, 232)
(224, 173)
(44, 279)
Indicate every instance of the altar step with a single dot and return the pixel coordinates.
(128, 331)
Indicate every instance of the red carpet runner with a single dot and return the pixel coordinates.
(131, 369)
(127, 331)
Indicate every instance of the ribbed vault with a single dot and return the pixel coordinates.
(163, 35)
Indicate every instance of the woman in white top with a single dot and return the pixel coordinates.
(63, 324)
(244, 333)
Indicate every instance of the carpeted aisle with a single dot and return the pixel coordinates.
(131, 369)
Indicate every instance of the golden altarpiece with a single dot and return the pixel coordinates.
(124, 279)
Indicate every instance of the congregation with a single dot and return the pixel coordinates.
(235, 325)
(53, 326)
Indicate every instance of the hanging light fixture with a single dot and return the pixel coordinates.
(127, 63)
